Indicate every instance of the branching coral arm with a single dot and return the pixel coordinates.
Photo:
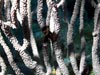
(14, 8)
(48, 12)
(56, 20)
(60, 60)
(96, 41)
(70, 41)
(24, 17)
(39, 14)
(7, 23)
(55, 42)
(32, 39)
(25, 57)
(3, 66)
(61, 3)
(83, 42)
(10, 56)
(46, 58)
(7, 9)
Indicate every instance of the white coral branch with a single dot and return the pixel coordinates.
(10, 56)
(61, 3)
(8, 23)
(3, 66)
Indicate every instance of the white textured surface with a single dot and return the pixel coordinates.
(52, 23)
(19, 17)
